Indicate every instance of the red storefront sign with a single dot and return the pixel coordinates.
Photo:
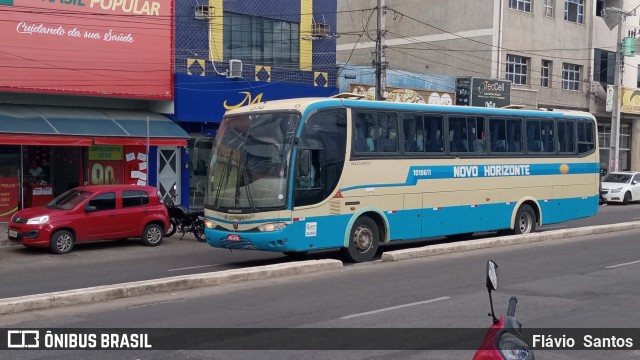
(96, 47)
(8, 197)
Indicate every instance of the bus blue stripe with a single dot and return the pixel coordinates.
(447, 172)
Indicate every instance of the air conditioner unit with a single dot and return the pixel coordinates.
(202, 12)
(321, 30)
(235, 69)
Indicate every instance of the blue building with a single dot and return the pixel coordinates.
(230, 53)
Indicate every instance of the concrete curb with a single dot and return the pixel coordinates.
(147, 287)
(469, 245)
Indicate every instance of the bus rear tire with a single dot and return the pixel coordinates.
(363, 240)
(525, 220)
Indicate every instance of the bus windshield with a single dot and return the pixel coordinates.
(250, 163)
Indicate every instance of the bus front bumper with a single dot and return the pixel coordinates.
(277, 241)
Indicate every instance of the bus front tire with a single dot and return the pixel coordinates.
(363, 240)
(525, 220)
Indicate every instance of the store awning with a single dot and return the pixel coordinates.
(57, 125)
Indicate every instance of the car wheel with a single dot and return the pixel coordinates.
(173, 227)
(62, 242)
(627, 198)
(152, 235)
(363, 241)
(525, 220)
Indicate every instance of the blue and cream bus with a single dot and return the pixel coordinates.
(298, 175)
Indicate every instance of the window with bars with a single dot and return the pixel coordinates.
(517, 69)
(548, 8)
(570, 76)
(522, 5)
(259, 40)
(545, 73)
(574, 11)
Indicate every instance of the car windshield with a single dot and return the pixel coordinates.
(250, 163)
(617, 178)
(68, 200)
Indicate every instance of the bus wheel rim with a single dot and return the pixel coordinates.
(525, 223)
(363, 238)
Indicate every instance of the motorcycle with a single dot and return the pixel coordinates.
(504, 339)
(184, 220)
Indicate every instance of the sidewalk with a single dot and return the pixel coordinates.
(4, 241)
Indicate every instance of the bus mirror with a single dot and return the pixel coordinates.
(304, 162)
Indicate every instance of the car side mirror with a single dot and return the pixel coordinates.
(633, 182)
(90, 209)
(492, 275)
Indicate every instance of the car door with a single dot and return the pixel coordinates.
(101, 221)
(135, 207)
(635, 189)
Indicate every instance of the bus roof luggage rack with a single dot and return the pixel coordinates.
(348, 95)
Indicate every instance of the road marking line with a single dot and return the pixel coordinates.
(396, 307)
(636, 218)
(624, 264)
(193, 267)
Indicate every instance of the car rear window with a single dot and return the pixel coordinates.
(132, 198)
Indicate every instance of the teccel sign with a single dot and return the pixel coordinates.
(486, 92)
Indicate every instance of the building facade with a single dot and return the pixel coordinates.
(556, 53)
(77, 95)
(286, 49)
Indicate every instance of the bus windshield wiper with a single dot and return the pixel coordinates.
(248, 182)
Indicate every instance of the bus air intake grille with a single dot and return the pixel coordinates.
(334, 207)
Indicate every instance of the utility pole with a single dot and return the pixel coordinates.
(380, 60)
(614, 149)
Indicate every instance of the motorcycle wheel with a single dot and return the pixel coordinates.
(173, 227)
(198, 230)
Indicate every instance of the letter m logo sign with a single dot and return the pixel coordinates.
(6, 2)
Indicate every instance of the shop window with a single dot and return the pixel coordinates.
(199, 156)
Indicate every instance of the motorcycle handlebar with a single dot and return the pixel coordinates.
(511, 310)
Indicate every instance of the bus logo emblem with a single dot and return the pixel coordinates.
(235, 226)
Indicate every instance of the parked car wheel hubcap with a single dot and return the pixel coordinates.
(154, 235)
(64, 242)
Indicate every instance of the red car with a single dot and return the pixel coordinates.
(90, 213)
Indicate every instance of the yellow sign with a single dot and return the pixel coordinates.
(105, 152)
(630, 101)
(246, 101)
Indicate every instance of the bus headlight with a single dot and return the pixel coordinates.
(272, 226)
(209, 224)
(616, 190)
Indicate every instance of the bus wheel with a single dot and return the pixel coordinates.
(525, 220)
(363, 241)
